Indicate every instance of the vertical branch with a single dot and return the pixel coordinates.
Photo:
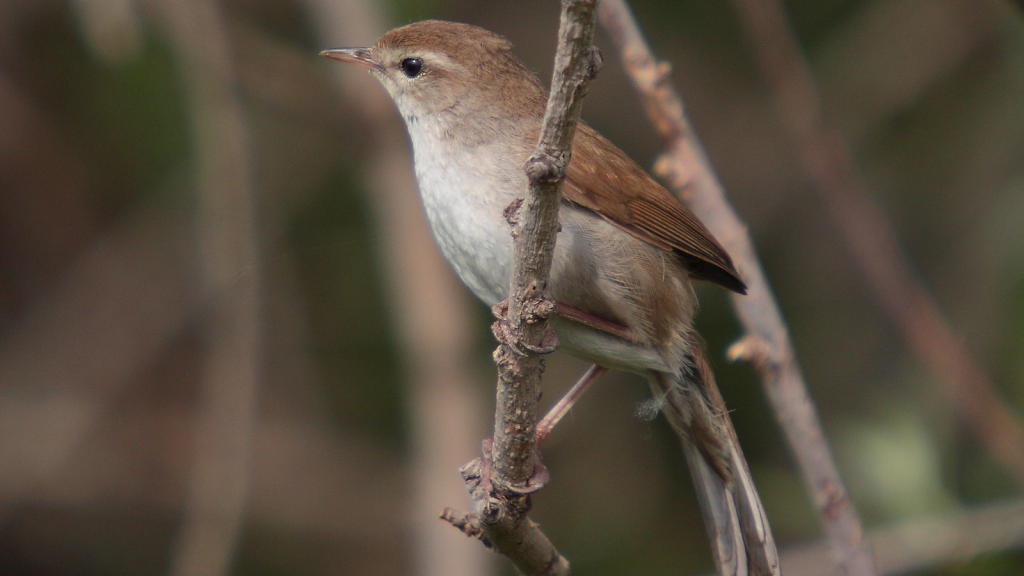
(229, 270)
(535, 227)
(767, 342)
(871, 240)
(502, 482)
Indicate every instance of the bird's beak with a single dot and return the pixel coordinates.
(358, 56)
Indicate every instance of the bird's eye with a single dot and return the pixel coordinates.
(412, 67)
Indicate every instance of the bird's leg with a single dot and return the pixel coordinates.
(559, 410)
(563, 406)
(596, 322)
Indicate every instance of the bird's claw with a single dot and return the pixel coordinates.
(503, 333)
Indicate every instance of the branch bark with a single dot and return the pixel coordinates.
(501, 483)
(767, 343)
(870, 238)
(535, 227)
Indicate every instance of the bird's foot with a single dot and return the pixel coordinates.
(562, 407)
(502, 330)
(479, 474)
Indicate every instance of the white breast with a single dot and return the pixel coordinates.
(464, 193)
(465, 214)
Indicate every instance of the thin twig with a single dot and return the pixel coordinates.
(510, 470)
(686, 167)
(869, 236)
(229, 268)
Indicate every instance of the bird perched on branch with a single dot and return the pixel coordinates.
(624, 261)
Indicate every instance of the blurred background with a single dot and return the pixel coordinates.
(228, 347)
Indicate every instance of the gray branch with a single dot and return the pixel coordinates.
(501, 483)
(535, 227)
(767, 343)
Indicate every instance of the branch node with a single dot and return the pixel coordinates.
(537, 480)
(750, 348)
(835, 499)
(472, 473)
(502, 331)
(677, 173)
(540, 479)
(511, 214)
(468, 524)
(504, 334)
(536, 310)
(594, 62)
(662, 72)
(491, 511)
(547, 345)
(545, 168)
(500, 310)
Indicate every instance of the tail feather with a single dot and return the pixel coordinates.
(757, 533)
(720, 515)
(741, 538)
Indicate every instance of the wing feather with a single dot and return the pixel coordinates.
(620, 191)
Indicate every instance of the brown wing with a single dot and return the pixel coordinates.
(620, 191)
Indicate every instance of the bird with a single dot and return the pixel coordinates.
(626, 257)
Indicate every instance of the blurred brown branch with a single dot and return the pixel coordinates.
(281, 75)
(111, 28)
(107, 317)
(501, 483)
(925, 543)
(767, 343)
(306, 476)
(45, 213)
(106, 313)
(869, 236)
(229, 277)
(431, 313)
